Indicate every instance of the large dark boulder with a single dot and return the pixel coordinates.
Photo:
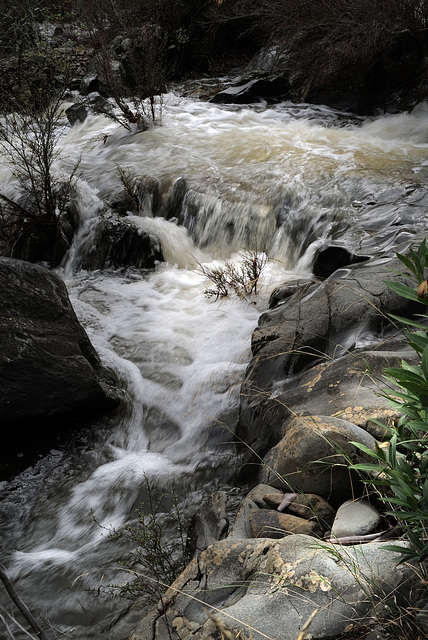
(39, 243)
(49, 370)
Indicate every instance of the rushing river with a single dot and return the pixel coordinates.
(284, 180)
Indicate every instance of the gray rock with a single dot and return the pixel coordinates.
(307, 506)
(93, 83)
(282, 293)
(269, 588)
(49, 370)
(76, 113)
(422, 619)
(316, 330)
(241, 528)
(356, 518)
(376, 635)
(312, 458)
(98, 103)
(313, 507)
(251, 90)
(210, 523)
(267, 523)
(258, 493)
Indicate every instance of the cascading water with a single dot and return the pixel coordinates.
(283, 180)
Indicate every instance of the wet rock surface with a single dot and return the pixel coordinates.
(49, 370)
(311, 391)
(120, 244)
(302, 346)
(248, 90)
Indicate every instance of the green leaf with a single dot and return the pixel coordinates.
(403, 372)
(391, 452)
(425, 492)
(367, 466)
(424, 363)
(408, 263)
(405, 553)
(411, 323)
(422, 252)
(373, 454)
(403, 290)
(417, 340)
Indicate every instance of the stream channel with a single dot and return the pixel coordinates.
(283, 179)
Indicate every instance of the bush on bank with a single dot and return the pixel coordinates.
(399, 471)
(372, 50)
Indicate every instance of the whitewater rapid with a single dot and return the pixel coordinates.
(283, 179)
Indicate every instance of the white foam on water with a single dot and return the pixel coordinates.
(179, 355)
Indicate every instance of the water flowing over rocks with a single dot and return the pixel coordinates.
(50, 372)
(299, 179)
(309, 394)
(120, 244)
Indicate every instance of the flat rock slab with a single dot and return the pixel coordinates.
(266, 523)
(264, 588)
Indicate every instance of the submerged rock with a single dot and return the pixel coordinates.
(254, 89)
(120, 244)
(49, 370)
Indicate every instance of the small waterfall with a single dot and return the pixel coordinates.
(212, 181)
(178, 248)
(87, 208)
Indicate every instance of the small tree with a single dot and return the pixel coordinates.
(130, 42)
(37, 197)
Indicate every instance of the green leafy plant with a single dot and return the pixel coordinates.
(399, 470)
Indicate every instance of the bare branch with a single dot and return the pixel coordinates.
(21, 605)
